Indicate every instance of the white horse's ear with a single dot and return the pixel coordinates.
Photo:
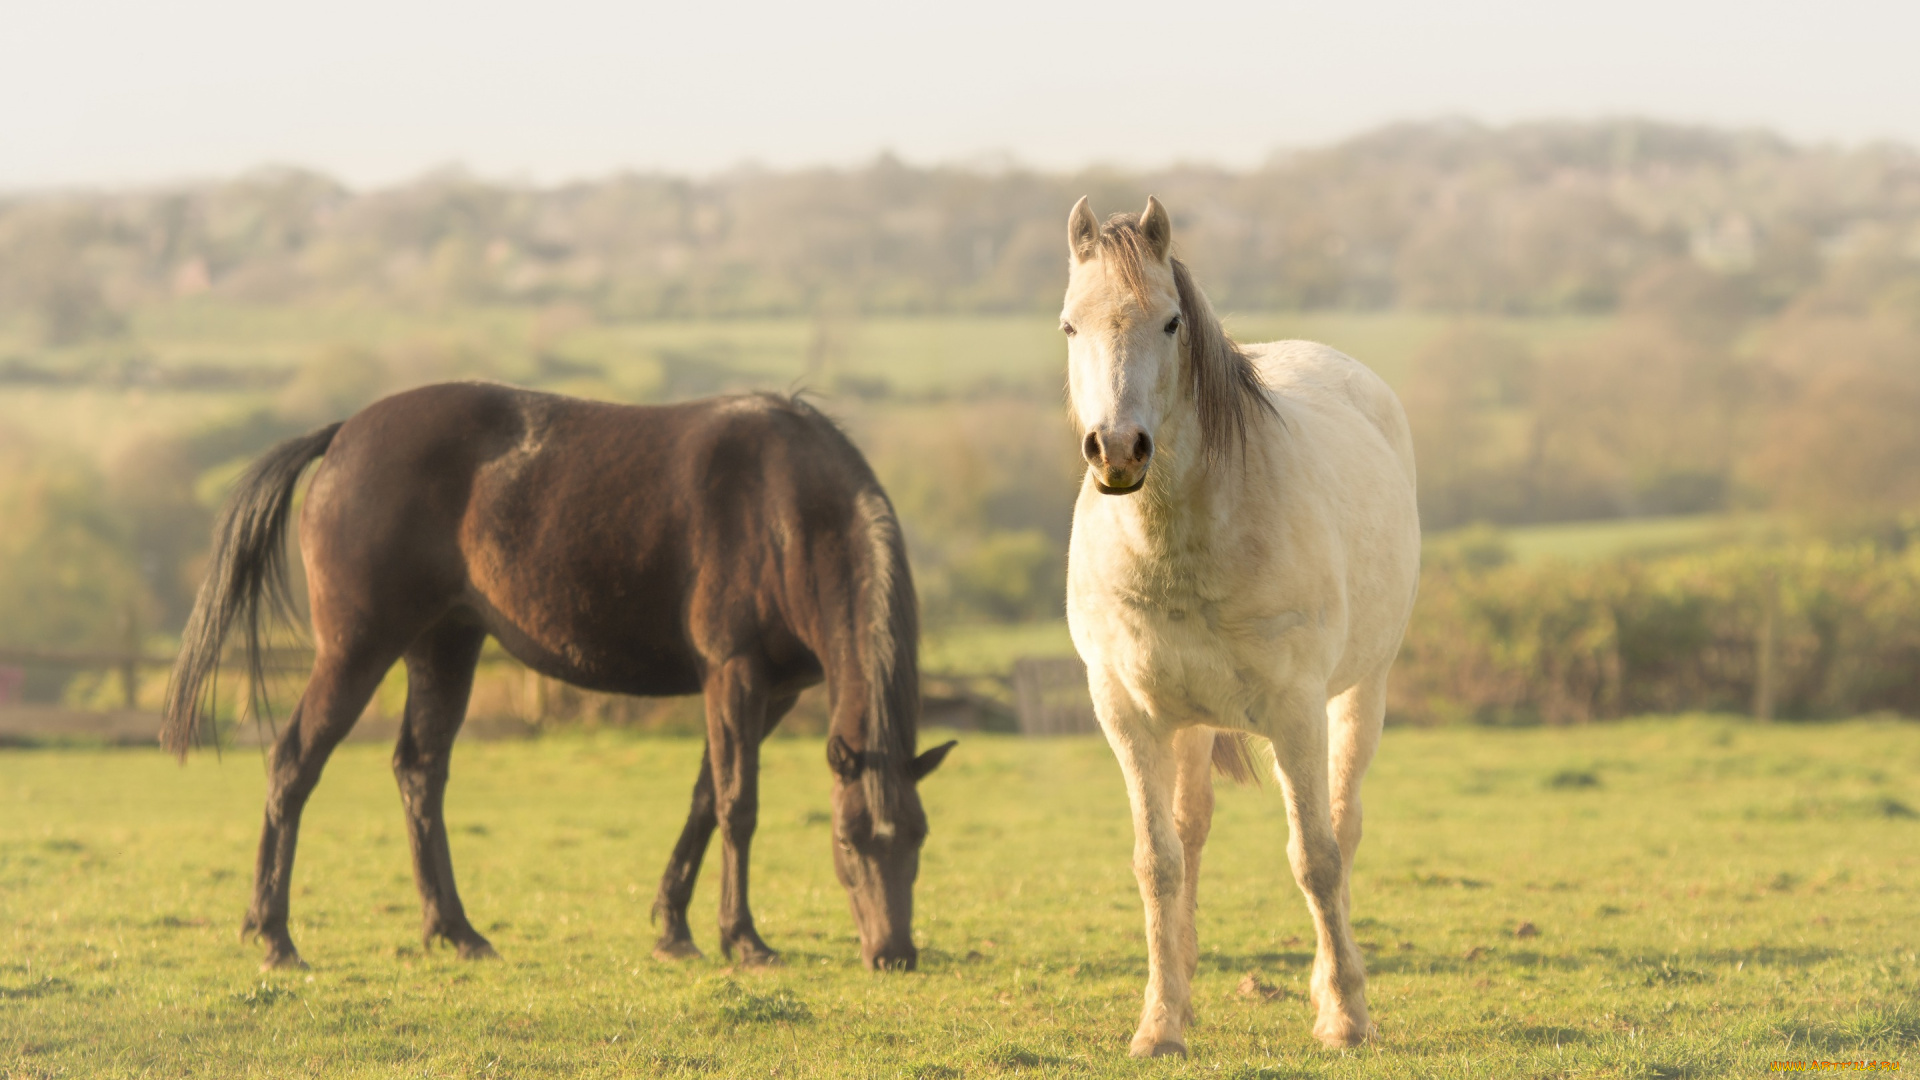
(1083, 231)
(1157, 228)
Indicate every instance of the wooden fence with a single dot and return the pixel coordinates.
(1050, 696)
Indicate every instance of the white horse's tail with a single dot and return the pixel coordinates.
(1233, 754)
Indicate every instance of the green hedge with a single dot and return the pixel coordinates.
(1555, 642)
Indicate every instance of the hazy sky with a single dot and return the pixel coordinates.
(108, 92)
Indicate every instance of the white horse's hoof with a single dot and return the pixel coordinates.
(1340, 1033)
(1145, 1046)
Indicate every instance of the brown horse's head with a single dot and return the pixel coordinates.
(876, 851)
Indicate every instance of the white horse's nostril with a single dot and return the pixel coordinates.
(1090, 448)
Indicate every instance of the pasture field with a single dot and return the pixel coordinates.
(567, 351)
(1583, 541)
(1702, 897)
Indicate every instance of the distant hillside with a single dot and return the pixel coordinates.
(1536, 218)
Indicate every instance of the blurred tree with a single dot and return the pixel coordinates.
(1702, 306)
(164, 526)
(45, 273)
(1643, 414)
(67, 577)
(985, 491)
(335, 383)
(1461, 398)
(1009, 577)
(1840, 437)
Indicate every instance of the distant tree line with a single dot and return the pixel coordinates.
(1809, 413)
(1535, 218)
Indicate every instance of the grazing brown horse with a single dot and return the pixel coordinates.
(735, 547)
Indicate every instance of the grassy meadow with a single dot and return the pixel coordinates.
(1704, 897)
(567, 351)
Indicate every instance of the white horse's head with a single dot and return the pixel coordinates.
(1122, 320)
(1144, 347)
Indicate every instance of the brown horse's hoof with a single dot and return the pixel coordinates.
(676, 950)
(287, 960)
(760, 958)
(749, 951)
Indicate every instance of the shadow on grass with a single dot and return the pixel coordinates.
(1767, 956)
(1651, 969)
(1550, 1035)
(1013, 1057)
(1236, 963)
(39, 988)
(1885, 1027)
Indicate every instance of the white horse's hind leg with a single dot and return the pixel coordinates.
(1354, 720)
(1339, 981)
(1192, 819)
(1147, 761)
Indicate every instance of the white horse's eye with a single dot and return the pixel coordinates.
(1067, 328)
(1173, 325)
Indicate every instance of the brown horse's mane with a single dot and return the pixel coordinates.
(1225, 387)
(888, 659)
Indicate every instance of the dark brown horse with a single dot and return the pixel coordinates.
(736, 547)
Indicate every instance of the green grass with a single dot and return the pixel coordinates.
(1708, 897)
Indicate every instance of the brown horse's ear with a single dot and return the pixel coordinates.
(843, 759)
(929, 761)
(1156, 227)
(1083, 231)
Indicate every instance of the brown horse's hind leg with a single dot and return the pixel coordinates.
(439, 678)
(683, 869)
(335, 695)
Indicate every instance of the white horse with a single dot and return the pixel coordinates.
(1244, 557)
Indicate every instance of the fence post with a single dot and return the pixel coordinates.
(1028, 704)
(129, 664)
(1034, 678)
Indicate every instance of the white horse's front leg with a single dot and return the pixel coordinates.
(1193, 820)
(1147, 761)
(1339, 983)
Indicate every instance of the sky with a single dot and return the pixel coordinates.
(109, 93)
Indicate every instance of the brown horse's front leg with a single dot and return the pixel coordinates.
(736, 707)
(683, 869)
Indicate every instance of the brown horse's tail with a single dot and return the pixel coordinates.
(888, 645)
(247, 581)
